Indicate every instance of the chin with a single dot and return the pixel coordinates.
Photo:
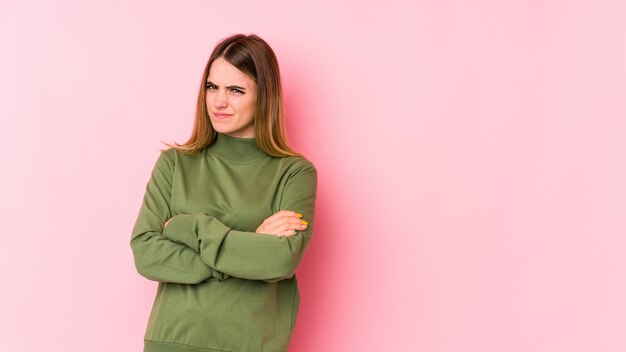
(221, 128)
(227, 131)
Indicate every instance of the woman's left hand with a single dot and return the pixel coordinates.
(282, 223)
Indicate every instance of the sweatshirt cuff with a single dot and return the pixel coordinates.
(182, 229)
(210, 233)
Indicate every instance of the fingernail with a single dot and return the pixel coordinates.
(299, 215)
(305, 222)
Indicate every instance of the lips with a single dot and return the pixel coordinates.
(221, 116)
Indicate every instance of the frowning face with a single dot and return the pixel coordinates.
(230, 100)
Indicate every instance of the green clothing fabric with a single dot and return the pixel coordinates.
(222, 287)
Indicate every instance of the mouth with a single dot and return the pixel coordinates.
(221, 116)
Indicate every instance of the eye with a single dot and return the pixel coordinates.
(210, 86)
(236, 90)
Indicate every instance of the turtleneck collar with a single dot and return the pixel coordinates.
(235, 149)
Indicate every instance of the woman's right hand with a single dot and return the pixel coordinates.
(282, 223)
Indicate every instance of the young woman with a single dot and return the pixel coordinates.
(227, 216)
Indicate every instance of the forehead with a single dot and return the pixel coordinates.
(223, 72)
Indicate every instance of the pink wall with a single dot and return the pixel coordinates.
(471, 155)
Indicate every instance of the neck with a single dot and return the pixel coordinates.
(235, 148)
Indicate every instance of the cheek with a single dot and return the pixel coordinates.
(248, 107)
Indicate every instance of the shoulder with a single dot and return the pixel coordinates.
(171, 159)
(174, 156)
(169, 153)
(300, 171)
(298, 164)
(166, 159)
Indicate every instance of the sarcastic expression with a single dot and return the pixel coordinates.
(230, 100)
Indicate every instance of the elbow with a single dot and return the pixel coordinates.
(136, 248)
(142, 270)
(141, 265)
(286, 268)
(285, 271)
(280, 278)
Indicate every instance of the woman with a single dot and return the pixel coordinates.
(227, 216)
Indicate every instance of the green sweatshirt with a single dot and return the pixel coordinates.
(222, 287)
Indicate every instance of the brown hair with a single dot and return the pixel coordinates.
(254, 57)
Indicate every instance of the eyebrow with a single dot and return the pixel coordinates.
(229, 87)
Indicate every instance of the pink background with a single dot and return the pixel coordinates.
(471, 159)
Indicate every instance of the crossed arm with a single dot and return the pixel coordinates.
(195, 247)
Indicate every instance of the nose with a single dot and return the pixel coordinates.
(220, 100)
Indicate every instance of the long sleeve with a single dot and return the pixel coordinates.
(156, 257)
(250, 255)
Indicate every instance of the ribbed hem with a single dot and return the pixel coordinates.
(159, 346)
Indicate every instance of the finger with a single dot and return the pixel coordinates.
(287, 233)
(285, 218)
(287, 226)
(283, 213)
(296, 223)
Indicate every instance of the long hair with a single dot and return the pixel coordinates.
(255, 58)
